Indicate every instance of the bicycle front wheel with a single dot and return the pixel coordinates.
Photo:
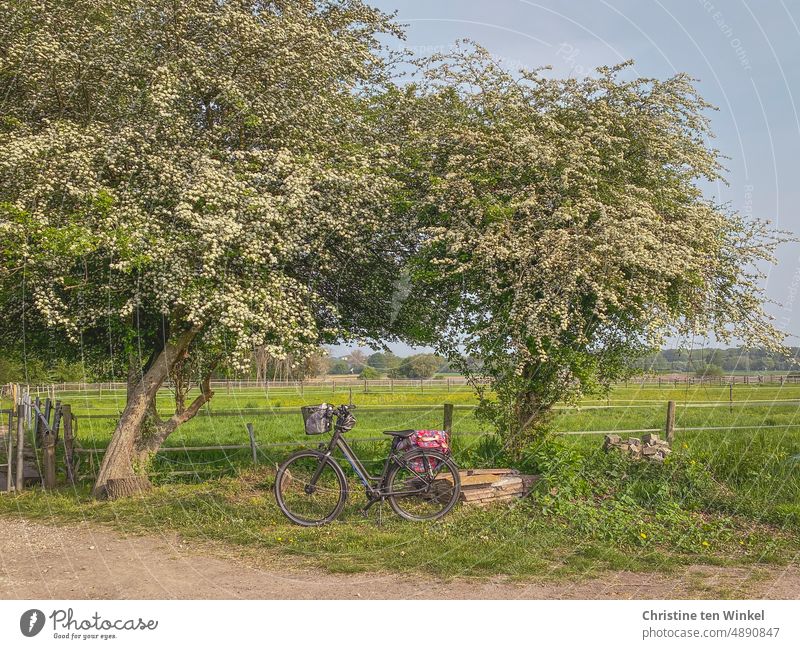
(425, 487)
(310, 489)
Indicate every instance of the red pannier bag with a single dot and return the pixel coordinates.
(429, 439)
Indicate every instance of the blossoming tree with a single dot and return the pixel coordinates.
(565, 230)
(183, 181)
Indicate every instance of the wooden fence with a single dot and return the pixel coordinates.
(347, 384)
(29, 433)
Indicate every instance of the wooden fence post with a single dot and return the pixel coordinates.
(670, 427)
(448, 417)
(67, 416)
(730, 396)
(49, 459)
(49, 443)
(9, 450)
(48, 406)
(18, 482)
(39, 427)
(253, 448)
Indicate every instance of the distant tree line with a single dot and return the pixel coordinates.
(714, 361)
(41, 367)
(386, 364)
(37, 367)
(38, 371)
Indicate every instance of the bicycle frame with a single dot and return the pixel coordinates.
(375, 485)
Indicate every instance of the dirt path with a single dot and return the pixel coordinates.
(86, 562)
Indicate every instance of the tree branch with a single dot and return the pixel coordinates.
(205, 395)
(168, 427)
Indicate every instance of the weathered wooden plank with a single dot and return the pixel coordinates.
(468, 480)
(18, 482)
(66, 413)
(490, 494)
(488, 471)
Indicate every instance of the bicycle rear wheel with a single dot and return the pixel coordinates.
(306, 501)
(425, 488)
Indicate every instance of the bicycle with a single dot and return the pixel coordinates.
(311, 488)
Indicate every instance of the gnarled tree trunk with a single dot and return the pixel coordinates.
(531, 411)
(129, 449)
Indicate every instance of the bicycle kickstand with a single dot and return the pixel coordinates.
(370, 503)
(365, 508)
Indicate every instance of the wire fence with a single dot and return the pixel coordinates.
(261, 451)
(447, 422)
(280, 411)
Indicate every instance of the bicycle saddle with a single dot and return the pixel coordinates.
(399, 433)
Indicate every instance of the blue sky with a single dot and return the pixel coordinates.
(745, 55)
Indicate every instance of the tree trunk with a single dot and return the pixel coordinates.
(530, 413)
(121, 487)
(122, 455)
(118, 461)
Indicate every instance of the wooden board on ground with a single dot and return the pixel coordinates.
(484, 487)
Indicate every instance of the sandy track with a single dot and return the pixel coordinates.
(39, 561)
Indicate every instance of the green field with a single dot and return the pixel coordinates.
(276, 417)
(729, 494)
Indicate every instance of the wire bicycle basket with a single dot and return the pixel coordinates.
(317, 419)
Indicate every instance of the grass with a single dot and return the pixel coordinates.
(528, 539)
(727, 496)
